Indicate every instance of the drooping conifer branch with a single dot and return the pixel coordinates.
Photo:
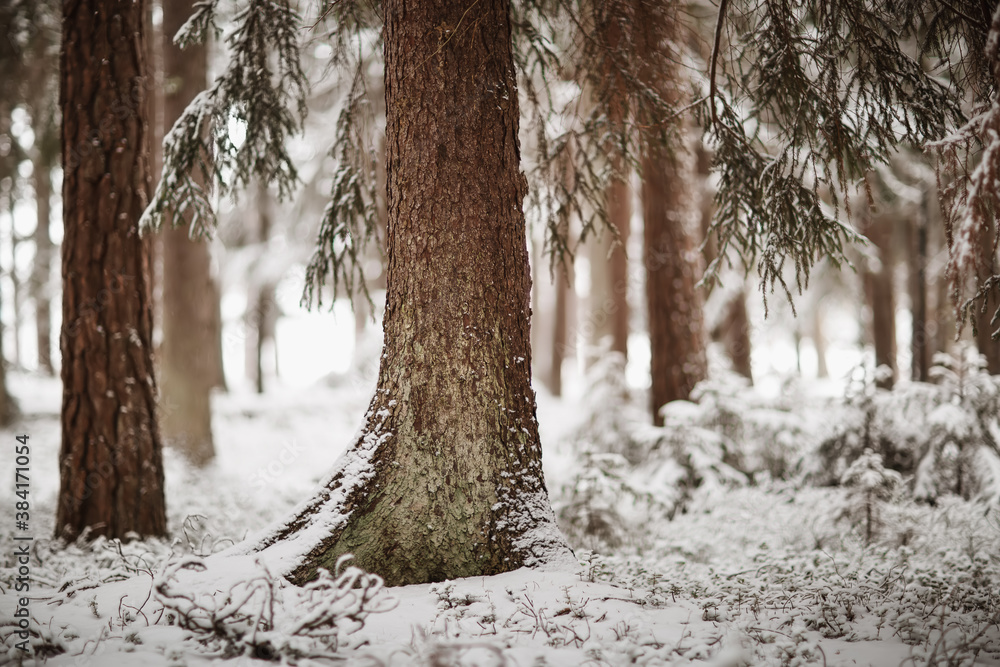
(262, 90)
(814, 96)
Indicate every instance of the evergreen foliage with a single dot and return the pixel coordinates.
(870, 483)
(802, 102)
(938, 436)
(263, 88)
(810, 98)
(969, 182)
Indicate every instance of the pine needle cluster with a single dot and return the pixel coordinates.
(263, 88)
(802, 100)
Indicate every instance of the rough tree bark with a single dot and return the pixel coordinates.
(676, 320)
(111, 472)
(187, 359)
(445, 480)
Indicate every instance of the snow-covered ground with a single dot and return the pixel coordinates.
(773, 573)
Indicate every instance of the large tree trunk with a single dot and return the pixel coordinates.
(188, 351)
(676, 320)
(881, 297)
(41, 270)
(110, 461)
(445, 480)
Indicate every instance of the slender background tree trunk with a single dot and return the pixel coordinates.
(262, 311)
(881, 297)
(618, 196)
(988, 347)
(111, 471)
(8, 407)
(41, 278)
(919, 338)
(17, 299)
(676, 320)
(187, 362)
(560, 333)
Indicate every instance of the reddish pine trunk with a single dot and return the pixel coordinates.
(919, 337)
(985, 327)
(734, 332)
(110, 460)
(445, 480)
(881, 297)
(676, 321)
(188, 351)
(612, 18)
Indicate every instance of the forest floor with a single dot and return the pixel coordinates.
(776, 573)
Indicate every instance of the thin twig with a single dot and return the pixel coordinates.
(715, 58)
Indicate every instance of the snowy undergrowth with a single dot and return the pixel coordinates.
(942, 436)
(790, 571)
(746, 572)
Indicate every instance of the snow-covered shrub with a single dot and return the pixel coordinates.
(869, 484)
(608, 502)
(940, 595)
(630, 471)
(611, 416)
(265, 617)
(590, 509)
(762, 437)
(941, 437)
